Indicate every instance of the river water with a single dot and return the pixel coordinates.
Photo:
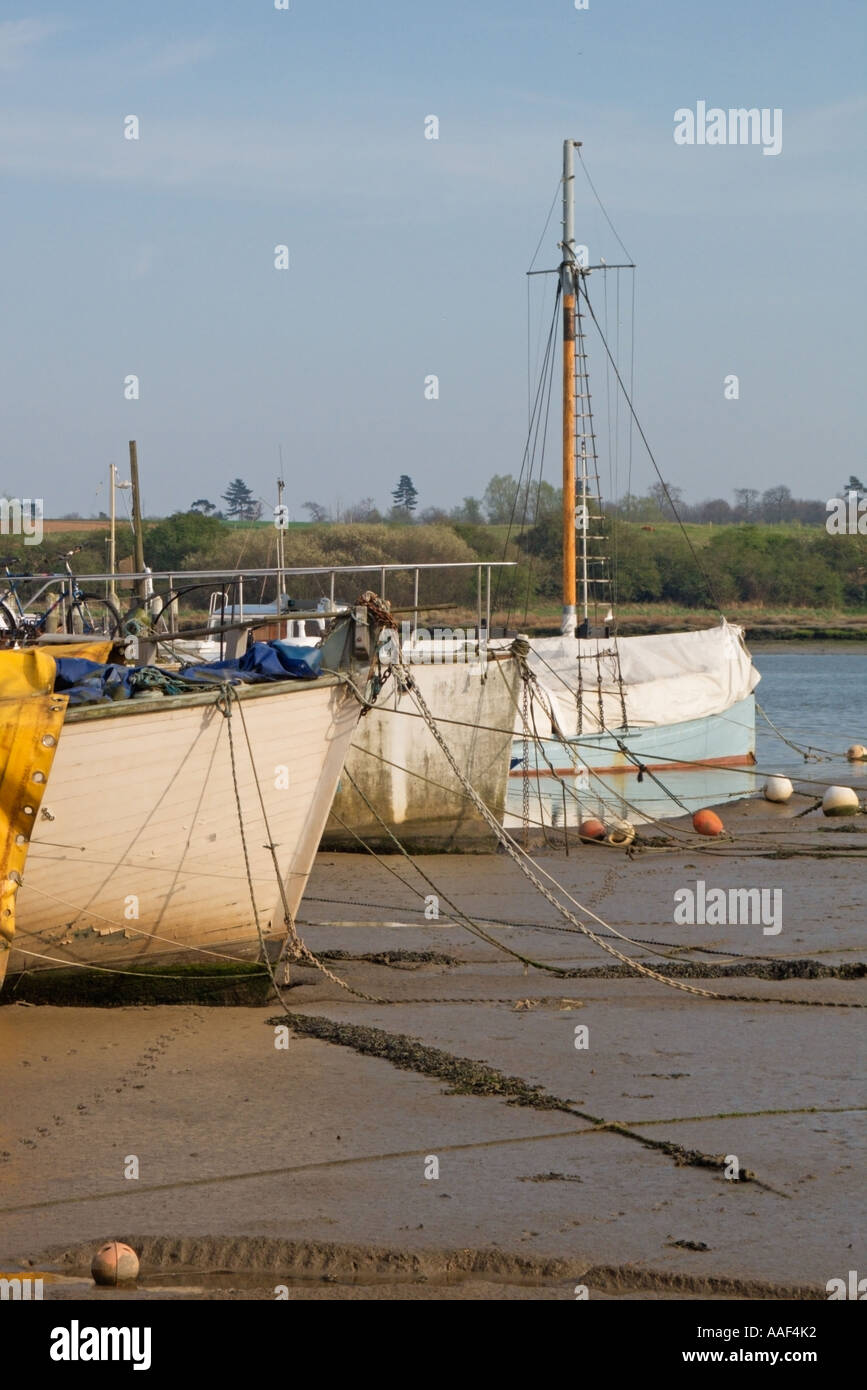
(816, 695)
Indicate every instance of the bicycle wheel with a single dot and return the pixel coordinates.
(92, 616)
(8, 624)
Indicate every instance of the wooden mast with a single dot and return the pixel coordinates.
(567, 284)
(138, 534)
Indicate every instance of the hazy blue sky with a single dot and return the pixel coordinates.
(408, 255)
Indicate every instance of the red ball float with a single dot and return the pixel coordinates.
(707, 823)
(114, 1263)
(591, 829)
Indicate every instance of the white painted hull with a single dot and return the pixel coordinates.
(397, 765)
(139, 816)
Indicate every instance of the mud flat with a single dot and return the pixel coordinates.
(297, 1149)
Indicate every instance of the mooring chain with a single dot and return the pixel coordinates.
(512, 850)
(525, 791)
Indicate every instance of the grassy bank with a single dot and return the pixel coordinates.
(761, 624)
(789, 582)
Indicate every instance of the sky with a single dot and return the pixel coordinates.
(305, 128)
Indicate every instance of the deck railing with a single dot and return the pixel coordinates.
(179, 582)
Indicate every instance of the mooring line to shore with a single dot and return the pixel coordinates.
(537, 692)
(512, 849)
(519, 857)
(465, 920)
(677, 836)
(549, 926)
(582, 741)
(290, 1169)
(301, 951)
(138, 974)
(137, 931)
(751, 1115)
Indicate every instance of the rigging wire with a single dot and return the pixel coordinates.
(602, 206)
(631, 385)
(529, 447)
(532, 263)
(538, 484)
(582, 290)
(545, 228)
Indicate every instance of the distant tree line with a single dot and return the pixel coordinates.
(506, 501)
(773, 506)
(756, 564)
(752, 563)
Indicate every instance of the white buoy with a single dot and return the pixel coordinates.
(620, 832)
(856, 753)
(840, 801)
(778, 789)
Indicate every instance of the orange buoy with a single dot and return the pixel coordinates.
(707, 823)
(591, 829)
(114, 1263)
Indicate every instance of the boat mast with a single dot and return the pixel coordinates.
(281, 547)
(567, 285)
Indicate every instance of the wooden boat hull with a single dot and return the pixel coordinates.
(717, 740)
(699, 762)
(397, 766)
(137, 855)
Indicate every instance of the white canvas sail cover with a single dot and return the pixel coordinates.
(666, 679)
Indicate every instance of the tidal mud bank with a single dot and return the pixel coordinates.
(594, 1131)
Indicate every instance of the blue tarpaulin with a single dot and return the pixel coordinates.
(91, 682)
(264, 661)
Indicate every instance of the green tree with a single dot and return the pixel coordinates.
(202, 505)
(668, 498)
(470, 511)
(405, 495)
(776, 503)
(502, 501)
(746, 503)
(240, 502)
(318, 513)
(169, 543)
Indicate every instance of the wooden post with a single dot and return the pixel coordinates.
(141, 584)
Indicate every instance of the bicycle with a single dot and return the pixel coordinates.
(81, 614)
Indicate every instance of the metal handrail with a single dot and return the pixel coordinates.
(127, 577)
(237, 578)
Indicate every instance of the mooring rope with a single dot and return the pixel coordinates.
(514, 853)
(299, 948)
